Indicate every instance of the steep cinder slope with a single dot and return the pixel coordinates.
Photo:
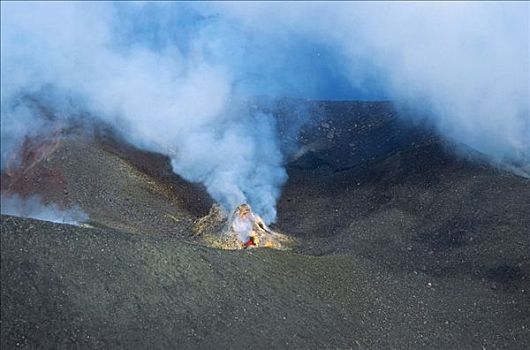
(410, 203)
(401, 245)
(65, 286)
(117, 185)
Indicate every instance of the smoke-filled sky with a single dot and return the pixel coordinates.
(174, 77)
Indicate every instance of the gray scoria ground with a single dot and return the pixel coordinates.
(401, 245)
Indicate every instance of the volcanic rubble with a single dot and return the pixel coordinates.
(399, 243)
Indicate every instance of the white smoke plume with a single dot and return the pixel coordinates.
(176, 77)
(162, 99)
(33, 207)
(462, 66)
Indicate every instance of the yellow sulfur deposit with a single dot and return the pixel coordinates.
(242, 230)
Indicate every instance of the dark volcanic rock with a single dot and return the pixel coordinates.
(402, 245)
(414, 205)
(67, 287)
(117, 185)
(345, 135)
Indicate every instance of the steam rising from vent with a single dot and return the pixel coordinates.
(180, 101)
(34, 208)
(178, 78)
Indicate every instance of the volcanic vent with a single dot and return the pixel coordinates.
(242, 229)
(396, 239)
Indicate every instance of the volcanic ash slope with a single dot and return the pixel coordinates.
(400, 245)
